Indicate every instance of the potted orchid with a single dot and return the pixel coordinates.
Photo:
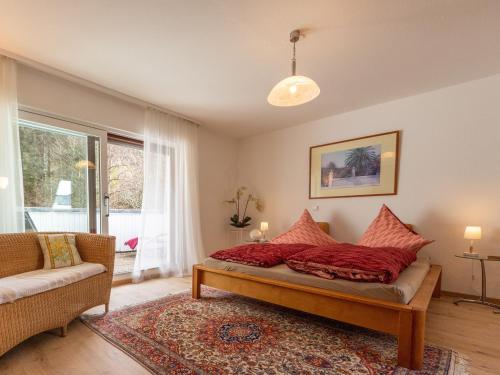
(240, 218)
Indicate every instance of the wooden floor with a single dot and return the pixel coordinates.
(470, 329)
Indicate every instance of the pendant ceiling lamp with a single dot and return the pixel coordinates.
(293, 90)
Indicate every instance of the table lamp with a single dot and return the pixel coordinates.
(472, 233)
(264, 227)
(4, 182)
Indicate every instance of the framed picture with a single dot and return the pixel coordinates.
(355, 167)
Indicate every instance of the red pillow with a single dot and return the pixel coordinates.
(306, 231)
(388, 231)
(260, 254)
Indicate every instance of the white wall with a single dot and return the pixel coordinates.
(449, 173)
(449, 170)
(217, 180)
(217, 153)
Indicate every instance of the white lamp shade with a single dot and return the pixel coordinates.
(264, 226)
(472, 233)
(255, 235)
(85, 164)
(4, 182)
(293, 90)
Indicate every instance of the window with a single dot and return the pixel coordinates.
(60, 177)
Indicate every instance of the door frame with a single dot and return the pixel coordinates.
(31, 115)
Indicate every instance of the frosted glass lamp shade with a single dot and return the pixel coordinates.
(293, 90)
(85, 164)
(255, 235)
(4, 182)
(472, 233)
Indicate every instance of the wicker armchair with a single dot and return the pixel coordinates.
(26, 317)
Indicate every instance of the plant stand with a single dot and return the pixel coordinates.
(237, 236)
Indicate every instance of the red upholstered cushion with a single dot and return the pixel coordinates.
(307, 231)
(388, 230)
(353, 262)
(260, 254)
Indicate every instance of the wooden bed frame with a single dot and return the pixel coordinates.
(406, 322)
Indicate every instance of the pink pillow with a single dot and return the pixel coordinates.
(305, 231)
(388, 231)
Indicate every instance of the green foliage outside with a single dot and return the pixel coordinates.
(49, 157)
(125, 174)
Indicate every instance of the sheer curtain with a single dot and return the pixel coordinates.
(11, 184)
(170, 238)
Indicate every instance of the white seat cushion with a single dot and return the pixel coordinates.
(39, 281)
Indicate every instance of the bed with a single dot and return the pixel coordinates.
(401, 291)
(398, 309)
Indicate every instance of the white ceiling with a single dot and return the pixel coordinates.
(216, 60)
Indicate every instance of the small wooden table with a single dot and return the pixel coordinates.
(482, 299)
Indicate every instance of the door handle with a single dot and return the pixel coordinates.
(106, 205)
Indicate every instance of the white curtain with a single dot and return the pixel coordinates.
(170, 238)
(11, 184)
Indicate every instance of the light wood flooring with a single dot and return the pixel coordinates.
(470, 329)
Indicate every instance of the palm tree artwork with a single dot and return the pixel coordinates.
(355, 167)
(352, 167)
(361, 160)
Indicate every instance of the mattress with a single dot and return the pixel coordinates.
(400, 291)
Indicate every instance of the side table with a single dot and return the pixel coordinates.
(482, 299)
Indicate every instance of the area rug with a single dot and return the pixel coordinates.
(223, 333)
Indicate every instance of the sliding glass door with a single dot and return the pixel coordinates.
(65, 181)
(68, 169)
(125, 173)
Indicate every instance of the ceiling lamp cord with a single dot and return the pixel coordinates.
(294, 38)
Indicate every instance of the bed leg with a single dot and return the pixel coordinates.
(64, 330)
(405, 337)
(418, 344)
(437, 289)
(196, 283)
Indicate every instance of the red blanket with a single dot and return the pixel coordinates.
(260, 254)
(353, 262)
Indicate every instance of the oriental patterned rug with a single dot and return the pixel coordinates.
(227, 334)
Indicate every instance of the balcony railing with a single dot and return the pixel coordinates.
(123, 224)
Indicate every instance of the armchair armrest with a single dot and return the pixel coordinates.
(97, 248)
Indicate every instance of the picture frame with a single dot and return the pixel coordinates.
(357, 167)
